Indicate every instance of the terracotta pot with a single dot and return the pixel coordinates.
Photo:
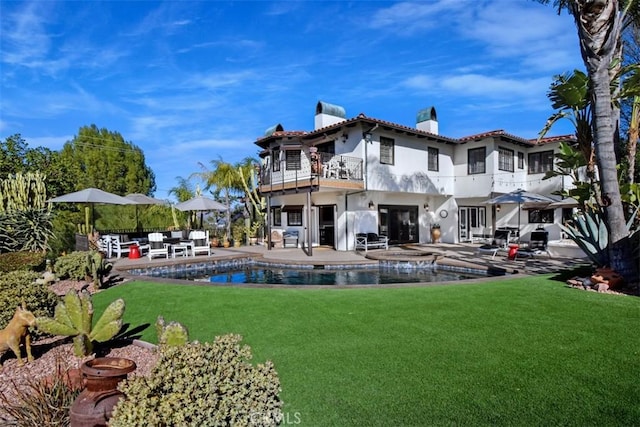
(435, 235)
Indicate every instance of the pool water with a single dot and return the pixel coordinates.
(286, 276)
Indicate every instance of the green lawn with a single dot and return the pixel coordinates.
(514, 352)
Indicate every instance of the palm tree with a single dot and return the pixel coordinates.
(599, 24)
(225, 178)
(183, 192)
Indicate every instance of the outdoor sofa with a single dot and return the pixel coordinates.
(368, 241)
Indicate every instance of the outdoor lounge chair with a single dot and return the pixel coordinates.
(500, 242)
(538, 244)
(120, 245)
(200, 242)
(157, 246)
(290, 237)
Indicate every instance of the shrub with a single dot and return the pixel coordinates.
(40, 401)
(12, 261)
(19, 286)
(72, 266)
(207, 384)
(25, 230)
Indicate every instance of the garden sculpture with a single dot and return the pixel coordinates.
(18, 328)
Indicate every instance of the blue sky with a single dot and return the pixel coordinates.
(191, 81)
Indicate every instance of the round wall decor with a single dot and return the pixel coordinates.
(444, 213)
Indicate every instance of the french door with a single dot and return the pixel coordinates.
(471, 221)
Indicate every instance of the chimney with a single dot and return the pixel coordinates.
(427, 120)
(328, 114)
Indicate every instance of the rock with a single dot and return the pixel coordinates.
(601, 287)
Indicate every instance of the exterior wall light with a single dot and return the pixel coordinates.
(367, 136)
(371, 204)
(426, 207)
(498, 208)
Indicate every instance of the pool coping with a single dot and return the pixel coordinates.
(374, 259)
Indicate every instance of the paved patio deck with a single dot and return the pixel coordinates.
(464, 254)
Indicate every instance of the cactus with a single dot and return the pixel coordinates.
(97, 267)
(73, 316)
(20, 192)
(172, 333)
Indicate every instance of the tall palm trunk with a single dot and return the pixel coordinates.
(599, 25)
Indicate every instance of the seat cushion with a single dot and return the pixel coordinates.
(200, 242)
(372, 237)
(156, 245)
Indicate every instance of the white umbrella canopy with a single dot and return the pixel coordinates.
(143, 199)
(569, 202)
(519, 197)
(92, 196)
(201, 203)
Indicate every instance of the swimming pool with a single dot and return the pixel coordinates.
(308, 276)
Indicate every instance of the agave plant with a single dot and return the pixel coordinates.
(589, 230)
(590, 233)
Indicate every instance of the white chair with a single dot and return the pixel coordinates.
(331, 169)
(200, 242)
(104, 245)
(157, 247)
(500, 243)
(119, 246)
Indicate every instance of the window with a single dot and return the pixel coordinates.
(276, 214)
(293, 160)
(476, 160)
(432, 159)
(544, 216)
(541, 162)
(505, 159)
(520, 160)
(275, 157)
(386, 150)
(294, 217)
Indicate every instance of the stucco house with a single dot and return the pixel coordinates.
(363, 174)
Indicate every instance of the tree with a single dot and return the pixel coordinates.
(103, 159)
(17, 157)
(225, 178)
(599, 24)
(183, 192)
(12, 156)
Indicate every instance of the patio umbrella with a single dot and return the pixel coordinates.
(143, 199)
(201, 204)
(569, 202)
(91, 196)
(519, 196)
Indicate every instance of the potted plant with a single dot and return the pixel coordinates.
(237, 231)
(253, 232)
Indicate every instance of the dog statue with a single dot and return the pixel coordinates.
(11, 336)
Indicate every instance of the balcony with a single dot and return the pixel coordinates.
(324, 171)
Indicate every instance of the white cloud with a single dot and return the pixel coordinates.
(408, 17)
